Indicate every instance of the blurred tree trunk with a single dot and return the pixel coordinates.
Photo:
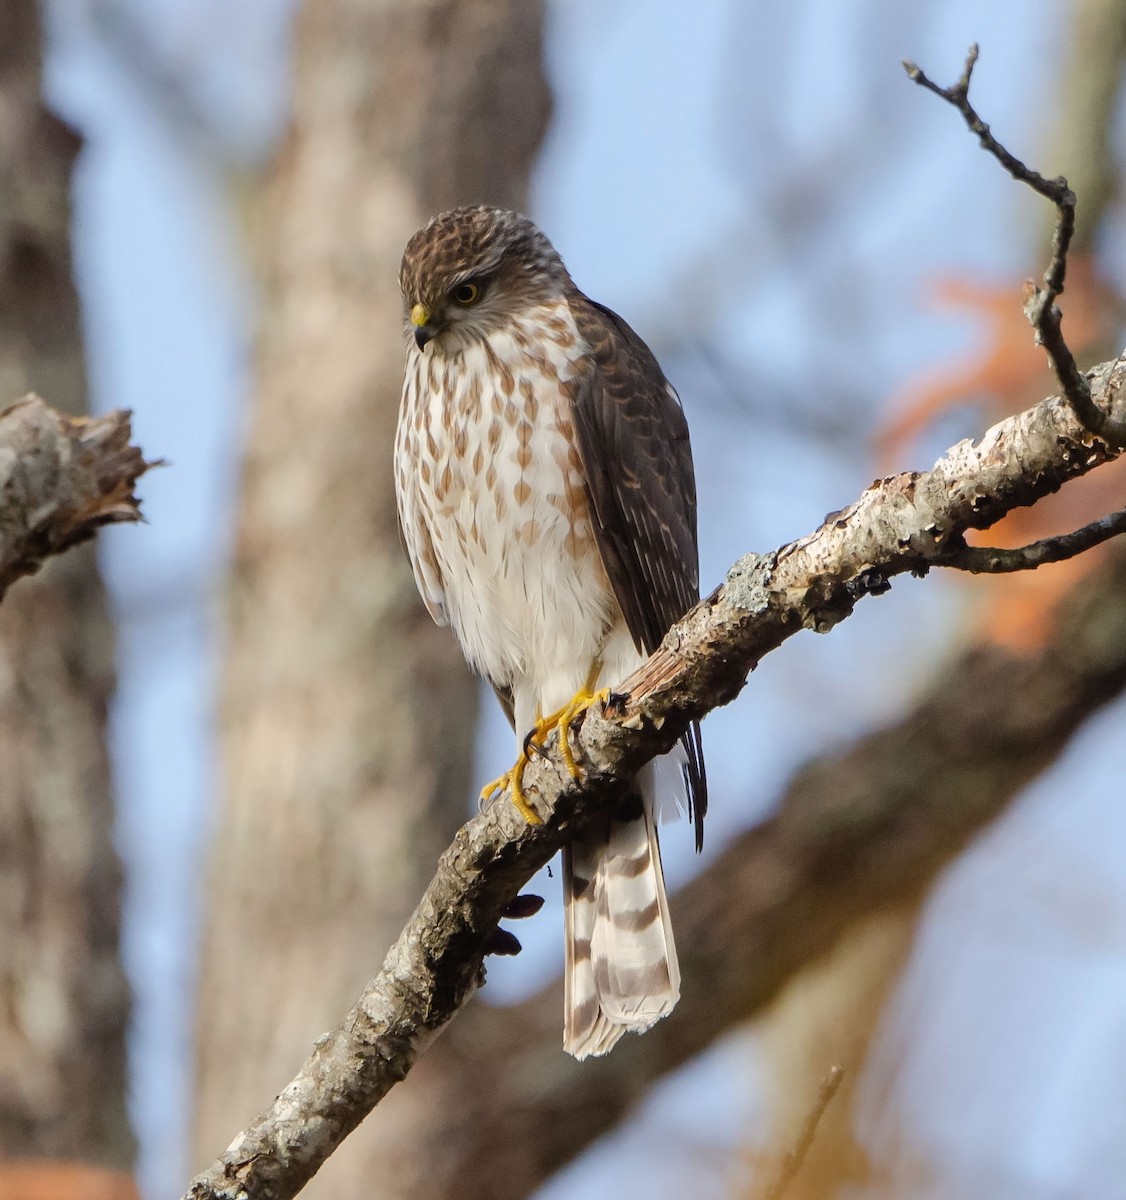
(63, 997)
(1082, 117)
(348, 718)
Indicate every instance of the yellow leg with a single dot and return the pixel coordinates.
(560, 721)
(514, 776)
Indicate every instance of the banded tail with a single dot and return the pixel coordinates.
(621, 971)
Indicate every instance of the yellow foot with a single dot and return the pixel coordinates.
(561, 720)
(514, 778)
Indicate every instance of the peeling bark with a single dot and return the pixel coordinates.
(61, 479)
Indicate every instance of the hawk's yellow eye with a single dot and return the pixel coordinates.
(466, 294)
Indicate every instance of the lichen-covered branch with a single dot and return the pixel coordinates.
(61, 479)
(908, 522)
(859, 829)
(902, 524)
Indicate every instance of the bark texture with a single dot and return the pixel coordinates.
(63, 997)
(61, 479)
(816, 858)
(348, 718)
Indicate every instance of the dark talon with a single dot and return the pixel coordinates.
(530, 746)
(502, 943)
(523, 906)
(869, 582)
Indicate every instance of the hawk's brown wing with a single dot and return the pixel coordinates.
(633, 440)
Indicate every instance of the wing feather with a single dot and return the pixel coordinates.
(637, 459)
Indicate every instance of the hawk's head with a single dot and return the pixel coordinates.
(471, 270)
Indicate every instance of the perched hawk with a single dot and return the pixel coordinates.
(547, 502)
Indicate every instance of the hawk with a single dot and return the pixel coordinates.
(547, 502)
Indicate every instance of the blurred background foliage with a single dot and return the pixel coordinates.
(915, 855)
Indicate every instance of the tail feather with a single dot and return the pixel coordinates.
(621, 972)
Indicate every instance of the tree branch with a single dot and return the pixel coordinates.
(900, 524)
(1040, 307)
(856, 831)
(61, 479)
(993, 560)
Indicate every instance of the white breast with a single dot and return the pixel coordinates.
(493, 506)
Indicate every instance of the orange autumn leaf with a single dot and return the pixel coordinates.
(44, 1179)
(1007, 374)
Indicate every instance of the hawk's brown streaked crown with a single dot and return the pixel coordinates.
(487, 247)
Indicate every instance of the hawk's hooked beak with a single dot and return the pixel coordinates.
(423, 330)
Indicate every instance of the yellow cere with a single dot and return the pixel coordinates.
(420, 315)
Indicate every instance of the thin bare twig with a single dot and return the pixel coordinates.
(792, 1161)
(993, 560)
(1040, 307)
